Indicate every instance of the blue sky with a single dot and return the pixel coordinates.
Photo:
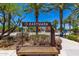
(51, 16)
(46, 16)
(43, 17)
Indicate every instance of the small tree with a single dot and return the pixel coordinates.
(8, 10)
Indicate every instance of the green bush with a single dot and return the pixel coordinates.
(72, 37)
(75, 28)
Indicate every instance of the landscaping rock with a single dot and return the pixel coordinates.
(1, 41)
(22, 36)
(27, 44)
(58, 42)
(39, 40)
(9, 40)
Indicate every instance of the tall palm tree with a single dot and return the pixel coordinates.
(61, 15)
(36, 14)
(37, 7)
(62, 7)
(44, 8)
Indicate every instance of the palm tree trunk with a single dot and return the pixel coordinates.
(65, 29)
(70, 26)
(55, 27)
(36, 14)
(64, 25)
(61, 17)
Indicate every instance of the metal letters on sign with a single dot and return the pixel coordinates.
(35, 23)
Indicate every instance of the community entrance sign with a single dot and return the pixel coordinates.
(38, 50)
(37, 24)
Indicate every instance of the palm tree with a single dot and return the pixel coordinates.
(44, 8)
(61, 15)
(72, 18)
(36, 14)
(37, 7)
(55, 23)
(61, 8)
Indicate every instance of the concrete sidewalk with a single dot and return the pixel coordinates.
(69, 48)
(8, 53)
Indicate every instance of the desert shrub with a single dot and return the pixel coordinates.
(21, 35)
(40, 40)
